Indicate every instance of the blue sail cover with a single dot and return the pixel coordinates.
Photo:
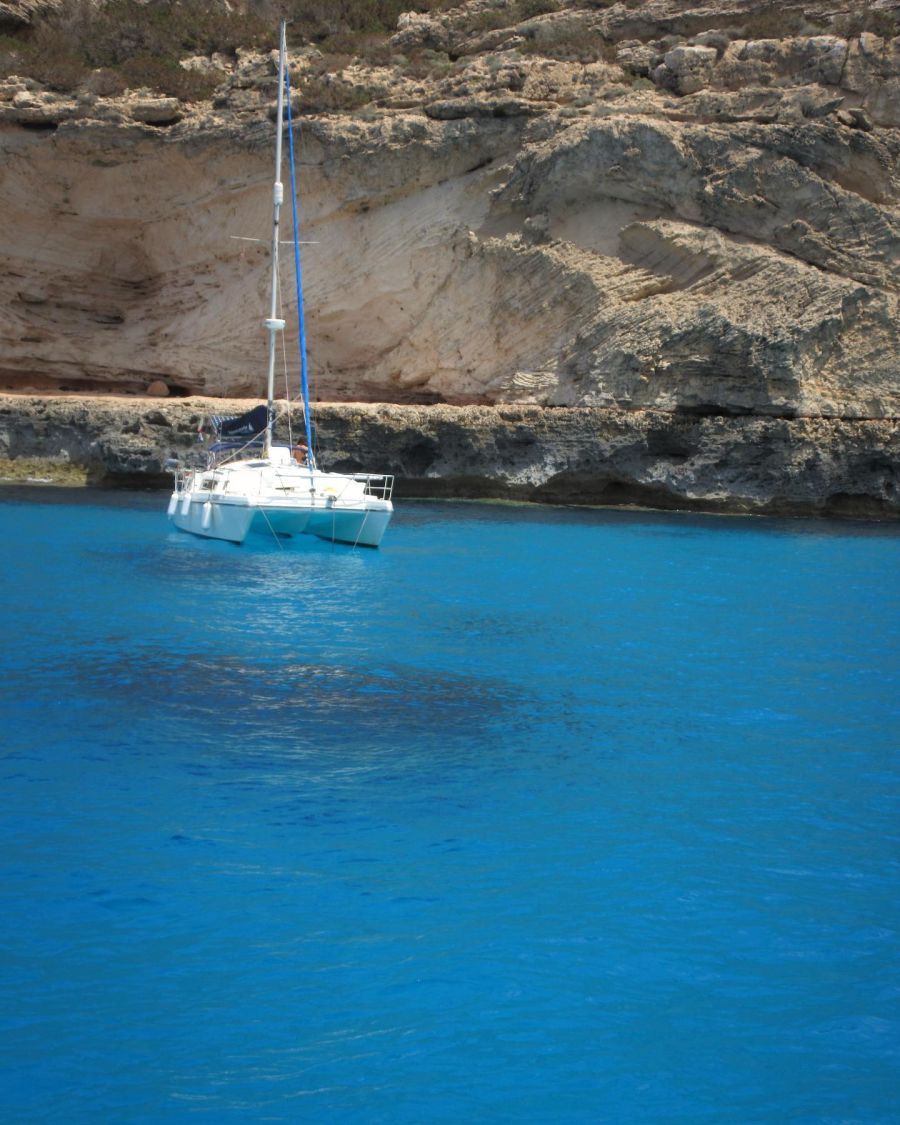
(246, 425)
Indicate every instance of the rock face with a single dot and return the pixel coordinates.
(577, 455)
(661, 208)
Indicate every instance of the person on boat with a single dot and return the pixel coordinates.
(300, 453)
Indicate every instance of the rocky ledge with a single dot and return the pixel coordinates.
(566, 455)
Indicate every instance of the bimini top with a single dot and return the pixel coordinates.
(253, 424)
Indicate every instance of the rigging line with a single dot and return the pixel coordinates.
(312, 434)
(362, 528)
(272, 529)
(298, 274)
(235, 453)
(265, 241)
(315, 394)
(287, 385)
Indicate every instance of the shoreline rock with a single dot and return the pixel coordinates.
(565, 455)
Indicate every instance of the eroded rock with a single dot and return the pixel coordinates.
(518, 215)
(700, 460)
(156, 111)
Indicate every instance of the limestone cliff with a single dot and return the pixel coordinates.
(664, 207)
(582, 455)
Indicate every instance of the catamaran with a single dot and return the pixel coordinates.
(253, 483)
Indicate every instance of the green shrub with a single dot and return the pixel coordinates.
(426, 63)
(128, 36)
(492, 19)
(773, 22)
(169, 78)
(528, 9)
(329, 94)
(317, 19)
(570, 44)
(105, 83)
(53, 60)
(365, 46)
(884, 24)
(170, 29)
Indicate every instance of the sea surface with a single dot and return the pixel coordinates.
(534, 815)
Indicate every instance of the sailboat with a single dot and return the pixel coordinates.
(250, 482)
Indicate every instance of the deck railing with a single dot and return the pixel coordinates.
(379, 485)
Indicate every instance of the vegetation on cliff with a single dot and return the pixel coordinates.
(105, 47)
(113, 45)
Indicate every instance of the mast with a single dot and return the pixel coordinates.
(273, 324)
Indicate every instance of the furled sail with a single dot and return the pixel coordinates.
(248, 425)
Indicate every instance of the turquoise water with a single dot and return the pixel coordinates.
(532, 816)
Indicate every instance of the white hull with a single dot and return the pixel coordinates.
(278, 500)
(361, 527)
